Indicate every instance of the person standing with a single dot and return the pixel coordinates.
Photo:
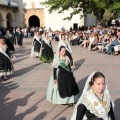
(6, 67)
(47, 54)
(19, 37)
(14, 36)
(65, 43)
(9, 42)
(36, 45)
(95, 101)
(62, 87)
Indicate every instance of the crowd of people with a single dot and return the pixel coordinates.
(95, 101)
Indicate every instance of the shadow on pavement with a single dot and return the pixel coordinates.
(30, 110)
(81, 84)
(60, 113)
(79, 63)
(25, 70)
(22, 55)
(62, 118)
(21, 102)
(16, 61)
(40, 116)
(8, 106)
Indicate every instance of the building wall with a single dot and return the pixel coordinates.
(55, 21)
(37, 12)
(3, 17)
(19, 16)
(90, 20)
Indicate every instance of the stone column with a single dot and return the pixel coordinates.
(5, 23)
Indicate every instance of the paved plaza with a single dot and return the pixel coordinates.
(23, 96)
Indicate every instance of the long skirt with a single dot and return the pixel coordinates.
(20, 41)
(10, 45)
(6, 67)
(37, 47)
(65, 91)
(47, 54)
(33, 53)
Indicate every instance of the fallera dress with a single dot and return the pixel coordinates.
(37, 43)
(66, 90)
(6, 66)
(47, 54)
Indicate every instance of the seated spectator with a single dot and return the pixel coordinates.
(105, 40)
(112, 45)
(86, 41)
(100, 44)
(93, 45)
(117, 47)
(91, 40)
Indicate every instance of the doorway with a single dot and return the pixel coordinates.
(34, 21)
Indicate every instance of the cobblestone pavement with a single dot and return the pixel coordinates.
(23, 96)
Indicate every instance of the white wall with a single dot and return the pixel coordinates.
(56, 22)
(53, 20)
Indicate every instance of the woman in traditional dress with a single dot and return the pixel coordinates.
(36, 45)
(95, 101)
(6, 67)
(65, 43)
(9, 43)
(62, 88)
(47, 54)
(19, 36)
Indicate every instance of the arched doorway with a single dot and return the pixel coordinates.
(1, 21)
(9, 20)
(34, 21)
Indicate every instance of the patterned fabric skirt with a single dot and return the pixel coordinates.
(6, 67)
(47, 54)
(64, 92)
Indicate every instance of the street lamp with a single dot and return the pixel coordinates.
(9, 3)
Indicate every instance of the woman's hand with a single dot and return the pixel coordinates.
(55, 81)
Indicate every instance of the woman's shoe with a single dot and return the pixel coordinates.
(70, 105)
(5, 78)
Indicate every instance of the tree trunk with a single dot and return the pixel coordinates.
(99, 16)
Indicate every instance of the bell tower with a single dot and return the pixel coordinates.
(33, 4)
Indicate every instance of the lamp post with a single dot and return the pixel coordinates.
(86, 6)
(9, 3)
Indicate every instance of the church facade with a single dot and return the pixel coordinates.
(29, 13)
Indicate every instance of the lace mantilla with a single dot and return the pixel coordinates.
(56, 62)
(91, 108)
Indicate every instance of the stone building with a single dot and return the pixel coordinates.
(29, 13)
(8, 11)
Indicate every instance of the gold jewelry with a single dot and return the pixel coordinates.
(103, 103)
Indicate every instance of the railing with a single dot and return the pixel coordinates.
(14, 4)
(8, 3)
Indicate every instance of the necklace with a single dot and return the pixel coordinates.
(103, 103)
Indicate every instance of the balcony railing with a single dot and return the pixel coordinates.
(14, 4)
(8, 3)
